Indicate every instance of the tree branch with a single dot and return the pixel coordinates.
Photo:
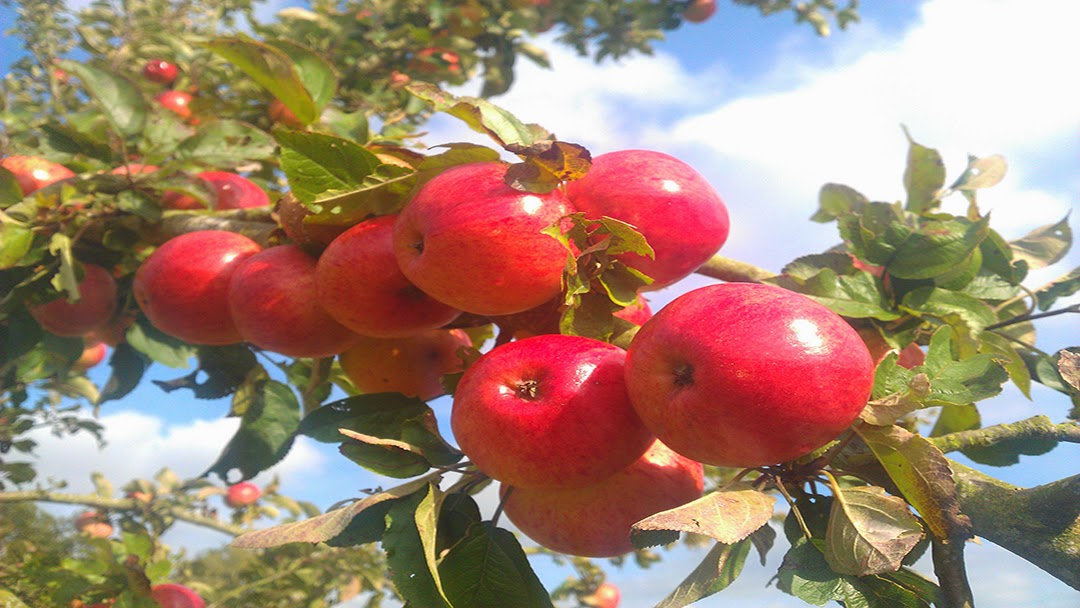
(948, 557)
(1034, 428)
(256, 224)
(733, 271)
(1040, 524)
(123, 504)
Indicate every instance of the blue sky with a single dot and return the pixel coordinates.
(768, 112)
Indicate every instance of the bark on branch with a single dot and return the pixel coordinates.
(124, 504)
(1040, 524)
(1030, 429)
(256, 224)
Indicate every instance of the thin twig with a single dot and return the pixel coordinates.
(1033, 317)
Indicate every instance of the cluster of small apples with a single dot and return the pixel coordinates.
(165, 73)
(243, 494)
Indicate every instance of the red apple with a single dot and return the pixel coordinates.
(233, 192)
(34, 173)
(746, 375)
(94, 524)
(175, 101)
(548, 411)
(473, 242)
(160, 71)
(93, 354)
(113, 331)
(183, 287)
(398, 80)
(671, 204)
(699, 11)
(242, 494)
(281, 114)
(272, 303)
(607, 595)
(171, 595)
(594, 521)
(910, 356)
(134, 169)
(359, 283)
(95, 306)
(433, 59)
(412, 366)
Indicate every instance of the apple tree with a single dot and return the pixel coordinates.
(194, 187)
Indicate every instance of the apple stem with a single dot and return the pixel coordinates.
(499, 509)
(791, 503)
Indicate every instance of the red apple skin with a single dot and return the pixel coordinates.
(233, 192)
(672, 205)
(171, 595)
(96, 305)
(412, 366)
(33, 172)
(183, 287)
(93, 524)
(271, 303)
(160, 71)
(92, 355)
(548, 412)
(473, 242)
(699, 11)
(242, 494)
(910, 356)
(281, 114)
(359, 283)
(747, 375)
(134, 169)
(177, 102)
(594, 521)
(607, 595)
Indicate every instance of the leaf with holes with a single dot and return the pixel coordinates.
(728, 515)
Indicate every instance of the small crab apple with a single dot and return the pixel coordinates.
(95, 306)
(93, 354)
(160, 71)
(33, 172)
(183, 287)
(672, 205)
(271, 303)
(133, 169)
(471, 241)
(747, 375)
(171, 595)
(548, 411)
(595, 520)
(359, 284)
(93, 524)
(607, 595)
(412, 366)
(699, 11)
(242, 494)
(177, 102)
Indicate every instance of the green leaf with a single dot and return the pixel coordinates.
(318, 164)
(272, 69)
(1045, 245)
(315, 73)
(66, 281)
(728, 516)
(936, 247)
(961, 311)
(1062, 287)
(809, 266)
(387, 433)
(716, 572)
(886, 410)
(265, 435)
(924, 177)
(922, 474)
(10, 191)
(622, 238)
(9, 600)
(998, 259)
(806, 575)
(140, 204)
(859, 295)
(591, 316)
(119, 98)
(481, 116)
(222, 371)
(409, 536)
(489, 569)
(157, 345)
(128, 366)
(954, 382)
(876, 232)
(15, 241)
(869, 531)
(332, 524)
(836, 201)
(1003, 350)
(226, 143)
